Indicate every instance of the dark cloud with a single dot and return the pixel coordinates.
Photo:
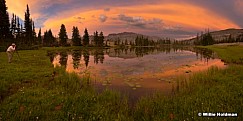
(79, 18)
(140, 22)
(51, 8)
(102, 18)
(155, 21)
(107, 9)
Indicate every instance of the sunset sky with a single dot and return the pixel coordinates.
(163, 18)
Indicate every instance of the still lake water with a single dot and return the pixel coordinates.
(136, 71)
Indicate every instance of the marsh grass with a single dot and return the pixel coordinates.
(32, 66)
(214, 91)
(31, 89)
(229, 54)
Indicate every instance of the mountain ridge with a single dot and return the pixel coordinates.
(222, 34)
(129, 36)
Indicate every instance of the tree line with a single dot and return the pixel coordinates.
(143, 41)
(207, 39)
(230, 39)
(23, 33)
(204, 39)
(76, 40)
(13, 31)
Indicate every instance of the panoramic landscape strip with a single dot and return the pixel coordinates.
(128, 76)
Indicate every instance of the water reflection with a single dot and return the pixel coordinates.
(63, 58)
(204, 53)
(86, 57)
(98, 56)
(76, 56)
(51, 55)
(140, 69)
(141, 51)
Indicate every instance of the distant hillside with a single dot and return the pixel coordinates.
(223, 34)
(219, 35)
(129, 36)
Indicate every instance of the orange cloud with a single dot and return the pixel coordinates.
(82, 20)
(185, 15)
(19, 8)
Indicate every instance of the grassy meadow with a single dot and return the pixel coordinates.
(229, 53)
(31, 89)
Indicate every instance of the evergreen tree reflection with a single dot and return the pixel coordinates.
(86, 57)
(98, 56)
(76, 56)
(63, 58)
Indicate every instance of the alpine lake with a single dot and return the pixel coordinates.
(136, 71)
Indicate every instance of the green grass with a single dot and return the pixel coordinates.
(229, 54)
(31, 89)
(213, 91)
(30, 67)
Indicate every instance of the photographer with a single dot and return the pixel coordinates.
(10, 52)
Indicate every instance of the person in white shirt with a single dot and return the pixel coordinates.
(10, 52)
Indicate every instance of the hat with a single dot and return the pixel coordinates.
(13, 44)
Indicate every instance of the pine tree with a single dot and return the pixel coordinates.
(118, 41)
(49, 39)
(63, 36)
(136, 41)
(76, 39)
(210, 39)
(28, 27)
(13, 25)
(39, 37)
(106, 42)
(207, 39)
(4, 20)
(34, 34)
(96, 38)
(18, 26)
(33, 30)
(86, 37)
(101, 39)
(130, 43)
(45, 39)
(126, 43)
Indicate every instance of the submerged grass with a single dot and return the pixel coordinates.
(31, 89)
